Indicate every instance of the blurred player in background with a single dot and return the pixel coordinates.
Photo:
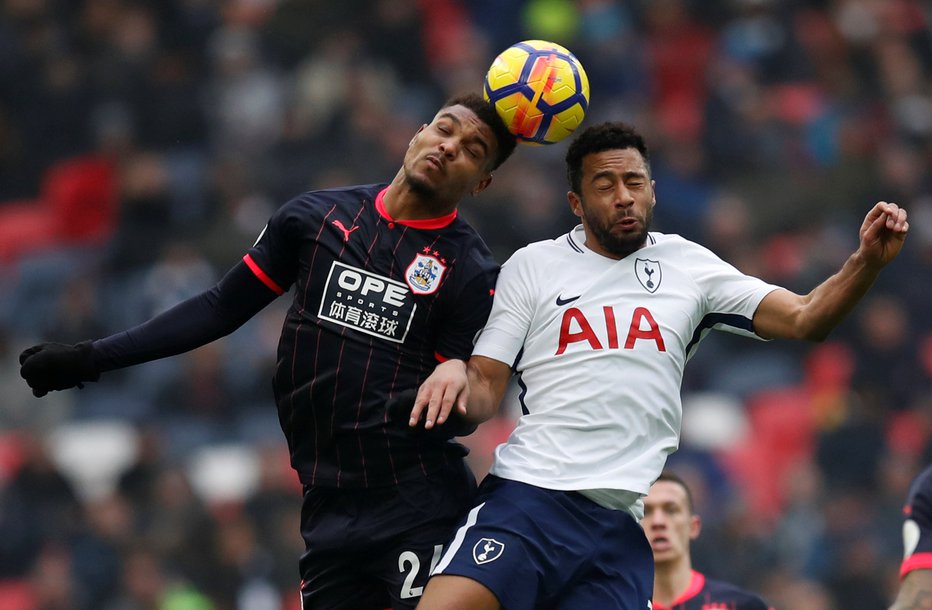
(388, 281)
(598, 325)
(670, 523)
(916, 570)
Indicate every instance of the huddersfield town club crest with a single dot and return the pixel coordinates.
(648, 273)
(424, 274)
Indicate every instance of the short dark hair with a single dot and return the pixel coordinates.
(672, 477)
(487, 114)
(597, 138)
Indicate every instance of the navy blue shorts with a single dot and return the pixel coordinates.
(374, 549)
(537, 548)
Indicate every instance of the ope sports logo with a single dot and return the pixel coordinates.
(367, 302)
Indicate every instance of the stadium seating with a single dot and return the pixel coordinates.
(76, 206)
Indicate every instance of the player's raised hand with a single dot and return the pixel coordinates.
(446, 388)
(57, 366)
(435, 409)
(883, 232)
(399, 409)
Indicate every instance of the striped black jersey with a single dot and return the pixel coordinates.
(917, 525)
(377, 303)
(707, 594)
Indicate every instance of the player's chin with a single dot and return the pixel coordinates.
(423, 184)
(663, 555)
(624, 244)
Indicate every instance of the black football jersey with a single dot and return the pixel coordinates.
(377, 303)
(707, 594)
(917, 525)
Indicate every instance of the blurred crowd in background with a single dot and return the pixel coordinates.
(144, 144)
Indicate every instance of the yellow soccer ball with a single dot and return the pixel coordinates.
(539, 89)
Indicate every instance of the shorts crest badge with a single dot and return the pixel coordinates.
(424, 274)
(486, 550)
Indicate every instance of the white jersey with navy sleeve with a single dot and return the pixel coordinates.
(599, 347)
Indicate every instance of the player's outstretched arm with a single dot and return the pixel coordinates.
(786, 315)
(190, 324)
(475, 389)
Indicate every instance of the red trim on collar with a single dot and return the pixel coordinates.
(919, 561)
(423, 223)
(696, 583)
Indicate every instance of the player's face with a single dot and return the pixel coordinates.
(616, 202)
(451, 157)
(668, 522)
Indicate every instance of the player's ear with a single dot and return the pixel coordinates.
(653, 193)
(575, 203)
(695, 526)
(483, 184)
(416, 134)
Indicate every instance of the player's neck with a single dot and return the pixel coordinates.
(403, 202)
(671, 581)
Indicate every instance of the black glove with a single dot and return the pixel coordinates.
(56, 366)
(399, 411)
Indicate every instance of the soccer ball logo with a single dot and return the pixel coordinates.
(539, 89)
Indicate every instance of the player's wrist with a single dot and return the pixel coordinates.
(86, 364)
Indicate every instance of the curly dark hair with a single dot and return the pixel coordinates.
(487, 114)
(597, 138)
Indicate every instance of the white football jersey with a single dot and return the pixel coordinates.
(599, 346)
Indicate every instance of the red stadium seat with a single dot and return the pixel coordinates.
(81, 195)
(76, 206)
(11, 456)
(25, 226)
(782, 435)
(17, 595)
(907, 433)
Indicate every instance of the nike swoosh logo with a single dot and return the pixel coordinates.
(561, 302)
